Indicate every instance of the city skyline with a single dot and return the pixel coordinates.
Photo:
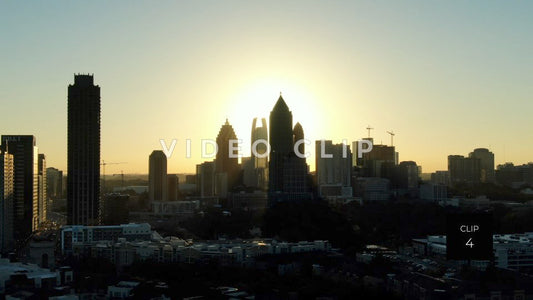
(385, 73)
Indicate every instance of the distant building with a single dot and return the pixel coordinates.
(226, 160)
(190, 179)
(288, 173)
(7, 176)
(205, 179)
(25, 196)
(335, 170)
(374, 162)
(173, 187)
(54, 183)
(42, 194)
(255, 168)
(464, 169)
(441, 177)
(515, 176)
(486, 160)
(83, 154)
(158, 176)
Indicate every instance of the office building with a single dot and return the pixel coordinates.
(25, 197)
(333, 167)
(42, 194)
(288, 173)
(226, 160)
(205, 179)
(83, 154)
(464, 169)
(54, 183)
(157, 176)
(7, 178)
(256, 175)
(173, 187)
(486, 161)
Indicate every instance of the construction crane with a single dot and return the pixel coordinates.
(391, 137)
(103, 164)
(121, 175)
(369, 128)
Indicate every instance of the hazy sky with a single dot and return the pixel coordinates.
(446, 76)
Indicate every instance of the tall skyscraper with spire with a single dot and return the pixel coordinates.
(287, 172)
(83, 174)
(226, 163)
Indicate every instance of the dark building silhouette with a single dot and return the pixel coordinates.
(464, 169)
(260, 133)
(255, 168)
(173, 187)
(226, 167)
(158, 182)
(288, 180)
(83, 174)
(25, 196)
(42, 197)
(115, 209)
(486, 160)
(54, 183)
(205, 179)
(6, 202)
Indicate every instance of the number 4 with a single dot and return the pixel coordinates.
(469, 243)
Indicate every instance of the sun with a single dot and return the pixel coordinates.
(257, 98)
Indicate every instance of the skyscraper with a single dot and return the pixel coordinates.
(281, 143)
(224, 162)
(464, 169)
(54, 183)
(25, 194)
(42, 198)
(288, 179)
(6, 201)
(259, 133)
(256, 167)
(83, 173)
(157, 176)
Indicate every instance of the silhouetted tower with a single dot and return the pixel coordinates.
(83, 175)
(225, 164)
(157, 176)
(287, 172)
(260, 133)
(281, 143)
(298, 135)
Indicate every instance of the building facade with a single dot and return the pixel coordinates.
(83, 154)
(25, 197)
(157, 176)
(7, 177)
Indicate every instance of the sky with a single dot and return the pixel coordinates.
(445, 76)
